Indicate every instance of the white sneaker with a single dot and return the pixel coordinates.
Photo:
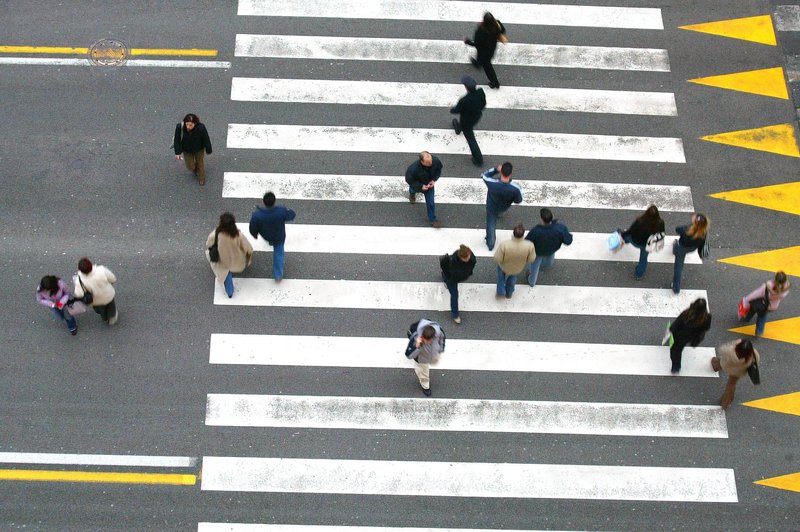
(113, 320)
(457, 320)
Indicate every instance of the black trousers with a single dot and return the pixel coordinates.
(676, 352)
(106, 311)
(486, 63)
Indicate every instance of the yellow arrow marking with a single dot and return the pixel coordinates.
(67, 50)
(785, 197)
(786, 482)
(785, 404)
(766, 82)
(778, 139)
(756, 29)
(101, 477)
(787, 330)
(786, 259)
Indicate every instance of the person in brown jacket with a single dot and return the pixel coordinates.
(511, 257)
(735, 358)
(235, 251)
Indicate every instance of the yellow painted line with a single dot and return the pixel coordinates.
(785, 404)
(779, 139)
(67, 50)
(97, 477)
(195, 52)
(765, 82)
(786, 259)
(787, 330)
(43, 50)
(784, 197)
(786, 482)
(756, 29)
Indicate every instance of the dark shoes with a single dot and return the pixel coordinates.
(427, 392)
(456, 126)
(494, 85)
(474, 62)
(477, 162)
(675, 370)
(412, 198)
(436, 224)
(74, 332)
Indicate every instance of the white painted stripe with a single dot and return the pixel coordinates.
(424, 241)
(462, 479)
(459, 190)
(787, 18)
(403, 295)
(445, 95)
(516, 14)
(256, 527)
(453, 51)
(98, 459)
(66, 61)
(461, 355)
(466, 415)
(405, 140)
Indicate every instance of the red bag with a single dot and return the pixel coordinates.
(743, 310)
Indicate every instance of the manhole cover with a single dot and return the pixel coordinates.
(108, 52)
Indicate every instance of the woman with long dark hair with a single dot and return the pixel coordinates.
(735, 358)
(691, 237)
(646, 225)
(234, 250)
(54, 294)
(688, 328)
(485, 40)
(191, 140)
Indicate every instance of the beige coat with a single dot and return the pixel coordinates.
(512, 255)
(99, 282)
(733, 365)
(235, 254)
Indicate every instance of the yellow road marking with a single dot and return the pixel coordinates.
(756, 29)
(786, 259)
(786, 482)
(787, 330)
(765, 82)
(785, 404)
(174, 51)
(68, 50)
(101, 477)
(778, 139)
(784, 197)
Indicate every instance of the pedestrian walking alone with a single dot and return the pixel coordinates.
(501, 193)
(691, 238)
(487, 34)
(54, 294)
(426, 344)
(547, 238)
(766, 298)
(735, 358)
(270, 222)
(98, 281)
(470, 109)
(688, 328)
(191, 140)
(644, 232)
(511, 257)
(233, 251)
(456, 268)
(421, 176)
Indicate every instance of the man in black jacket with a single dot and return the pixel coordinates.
(421, 176)
(456, 268)
(470, 107)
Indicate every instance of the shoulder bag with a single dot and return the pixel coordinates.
(87, 296)
(761, 305)
(655, 242)
(704, 251)
(213, 251)
(753, 373)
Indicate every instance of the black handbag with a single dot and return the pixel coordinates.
(760, 305)
(87, 296)
(753, 373)
(213, 251)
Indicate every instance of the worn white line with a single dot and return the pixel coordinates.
(453, 51)
(445, 95)
(468, 479)
(66, 61)
(457, 190)
(412, 140)
(473, 297)
(462, 355)
(98, 459)
(258, 527)
(514, 13)
(787, 18)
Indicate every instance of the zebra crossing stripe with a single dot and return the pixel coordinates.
(458, 190)
(258, 527)
(412, 140)
(533, 14)
(473, 297)
(375, 240)
(445, 95)
(461, 355)
(468, 479)
(466, 415)
(452, 51)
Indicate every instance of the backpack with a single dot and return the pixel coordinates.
(655, 242)
(412, 337)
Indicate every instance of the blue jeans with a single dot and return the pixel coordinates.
(761, 321)
(542, 261)
(491, 227)
(642, 266)
(452, 287)
(430, 206)
(63, 315)
(680, 253)
(505, 283)
(229, 284)
(277, 261)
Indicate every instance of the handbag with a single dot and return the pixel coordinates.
(614, 241)
(753, 373)
(213, 251)
(760, 305)
(742, 310)
(87, 296)
(704, 251)
(655, 242)
(668, 338)
(75, 307)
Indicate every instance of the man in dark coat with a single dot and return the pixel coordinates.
(547, 237)
(456, 268)
(421, 176)
(270, 222)
(470, 108)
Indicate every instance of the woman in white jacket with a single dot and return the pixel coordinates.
(98, 281)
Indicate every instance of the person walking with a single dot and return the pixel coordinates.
(735, 358)
(191, 140)
(487, 34)
(500, 194)
(647, 225)
(233, 251)
(54, 294)
(547, 238)
(428, 341)
(511, 257)
(688, 328)
(456, 268)
(98, 281)
(691, 237)
(421, 176)
(470, 109)
(269, 221)
(766, 298)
